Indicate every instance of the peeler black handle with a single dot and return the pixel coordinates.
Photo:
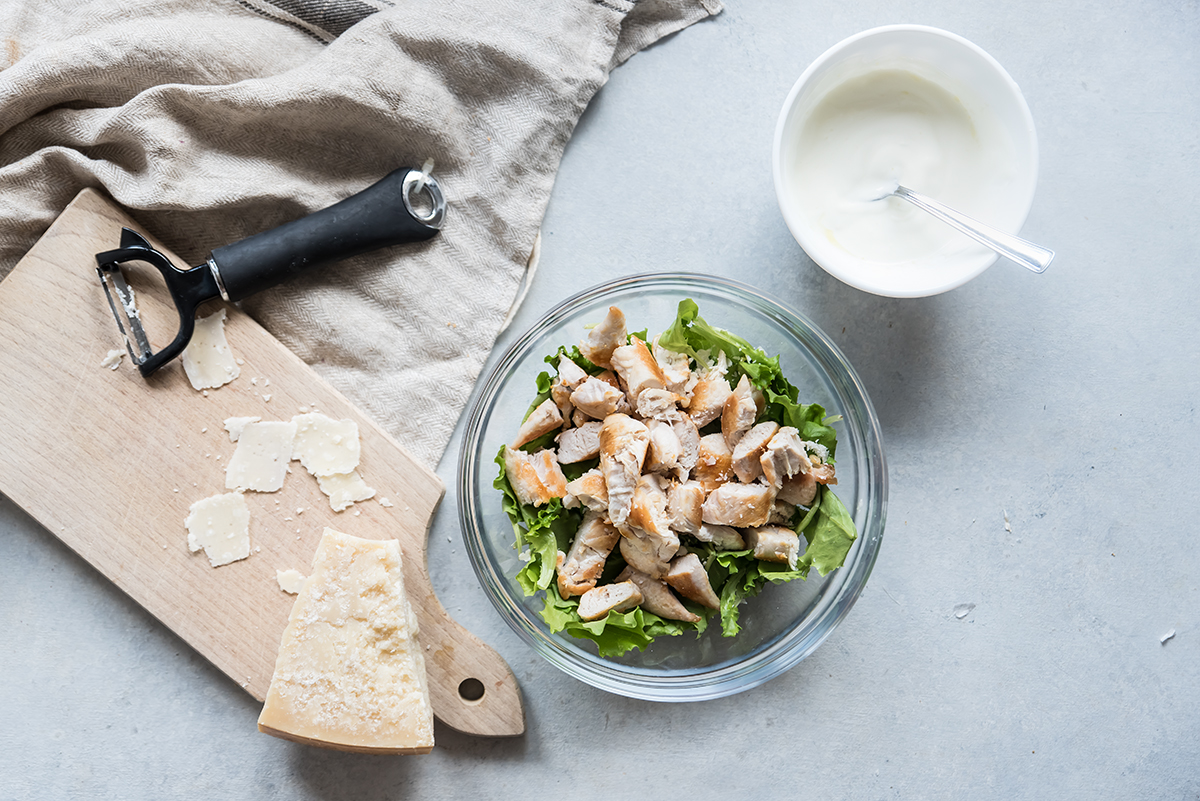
(385, 213)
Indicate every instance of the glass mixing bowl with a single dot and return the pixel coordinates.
(784, 623)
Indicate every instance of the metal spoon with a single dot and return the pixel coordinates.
(1023, 252)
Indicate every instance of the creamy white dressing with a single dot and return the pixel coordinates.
(890, 126)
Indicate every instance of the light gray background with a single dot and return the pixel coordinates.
(1067, 401)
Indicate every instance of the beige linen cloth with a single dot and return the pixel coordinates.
(214, 119)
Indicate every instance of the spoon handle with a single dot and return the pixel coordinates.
(1023, 252)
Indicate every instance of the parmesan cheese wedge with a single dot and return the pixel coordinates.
(350, 674)
(207, 360)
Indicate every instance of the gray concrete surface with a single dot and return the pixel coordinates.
(1066, 401)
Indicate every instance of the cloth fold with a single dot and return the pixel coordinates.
(211, 120)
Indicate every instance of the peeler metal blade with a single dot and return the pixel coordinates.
(124, 308)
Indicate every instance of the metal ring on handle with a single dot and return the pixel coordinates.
(435, 216)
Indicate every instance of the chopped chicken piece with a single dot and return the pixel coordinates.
(570, 374)
(599, 601)
(533, 480)
(596, 398)
(676, 367)
(657, 596)
(739, 412)
(823, 473)
(579, 570)
(689, 444)
(800, 489)
(784, 457)
(561, 395)
(708, 399)
(659, 404)
(648, 543)
(623, 444)
(610, 378)
(637, 369)
(688, 578)
(782, 512)
(685, 503)
(747, 454)
(605, 338)
(774, 544)
(588, 490)
(725, 538)
(741, 505)
(577, 444)
(542, 420)
(665, 449)
(579, 417)
(714, 464)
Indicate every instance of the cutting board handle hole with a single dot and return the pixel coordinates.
(471, 691)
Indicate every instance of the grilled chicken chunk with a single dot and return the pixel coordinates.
(648, 543)
(542, 420)
(782, 512)
(657, 596)
(579, 570)
(741, 505)
(588, 490)
(688, 578)
(689, 444)
(577, 444)
(536, 477)
(599, 601)
(606, 337)
(725, 538)
(570, 374)
(823, 473)
(637, 369)
(665, 449)
(739, 412)
(623, 444)
(714, 462)
(784, 457)
(676, 367)
(708, 399)
(685, 503)
(597, 398)
(774, 544)
(747, 454)
(561, 395)
(658, 404)
(800, 489)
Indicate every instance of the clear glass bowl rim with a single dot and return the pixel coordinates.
(800, 640)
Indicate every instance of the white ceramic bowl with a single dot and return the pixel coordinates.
(990, 96)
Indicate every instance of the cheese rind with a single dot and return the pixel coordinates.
(344, 489)
(207, 360)
(350, 674)
(260, 461)
(220, 524)
(326, 446)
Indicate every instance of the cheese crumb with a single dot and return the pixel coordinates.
(290, 581)
(1163, 639)
(220, 525)
(266, 398)
(207, 360)
(261, 459)
(112, 360)
(386, 502)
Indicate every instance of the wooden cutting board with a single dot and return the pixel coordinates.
(110, 463)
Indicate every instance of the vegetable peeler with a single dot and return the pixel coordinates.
(389, 212)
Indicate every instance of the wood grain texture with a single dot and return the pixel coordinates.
(110, 463)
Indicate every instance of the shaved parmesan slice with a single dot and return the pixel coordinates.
(260, 461)
(221, 526)
(326, 446)
(290, 581)
(235, 426)
(207, 359)
(344, 489)
(113, 359)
